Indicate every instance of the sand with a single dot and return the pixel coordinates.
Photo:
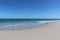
(49, 31)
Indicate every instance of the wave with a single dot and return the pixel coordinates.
(22, 25)
(44, 21)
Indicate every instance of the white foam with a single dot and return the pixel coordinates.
(44, 21)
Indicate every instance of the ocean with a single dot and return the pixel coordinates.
(19, 24)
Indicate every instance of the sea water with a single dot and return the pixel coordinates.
(13, 24)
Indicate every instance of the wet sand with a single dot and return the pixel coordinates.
(50, 31)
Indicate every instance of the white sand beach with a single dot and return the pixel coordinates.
(49, 31)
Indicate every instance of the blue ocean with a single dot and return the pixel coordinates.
(17, 24)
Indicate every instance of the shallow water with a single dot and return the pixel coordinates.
(7, 24)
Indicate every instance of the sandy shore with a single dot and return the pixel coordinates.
(50, 31)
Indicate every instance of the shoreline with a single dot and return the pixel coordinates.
(23, 26)
(50, 31)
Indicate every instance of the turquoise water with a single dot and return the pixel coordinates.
(21, 23)
(19, 20)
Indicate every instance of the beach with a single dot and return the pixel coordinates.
(49, 31)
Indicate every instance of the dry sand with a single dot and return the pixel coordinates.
(50, 31)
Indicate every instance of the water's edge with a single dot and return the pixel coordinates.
(20, 26)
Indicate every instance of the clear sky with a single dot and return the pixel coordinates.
(29, 8)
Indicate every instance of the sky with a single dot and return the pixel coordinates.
(30, 9)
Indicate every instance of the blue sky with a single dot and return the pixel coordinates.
(29, 8)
